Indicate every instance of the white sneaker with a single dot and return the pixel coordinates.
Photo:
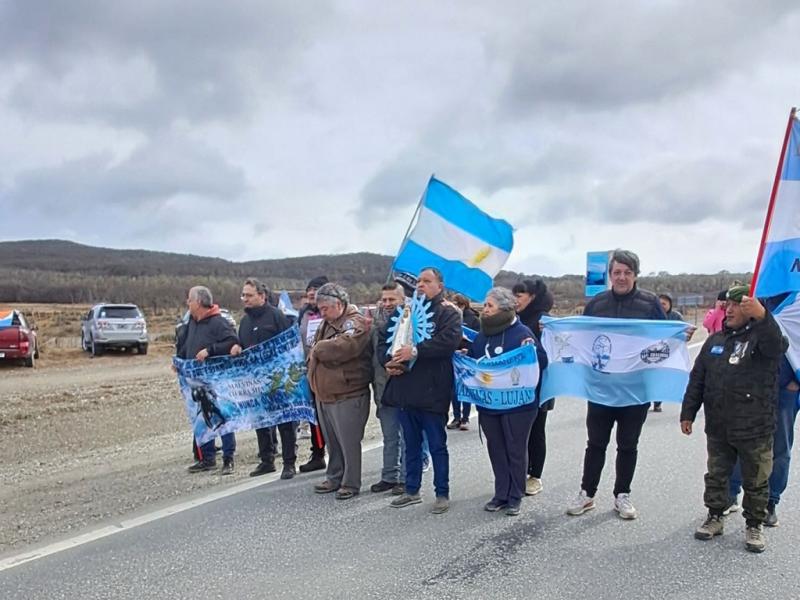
(533, 486)
(733, 507)
(580, 504)
(624, 506)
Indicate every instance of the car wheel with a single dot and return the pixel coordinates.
(30, 361)
(84, 343)
(36, 352)
(142, 348)
(97, 349)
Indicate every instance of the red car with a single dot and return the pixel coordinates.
(17, 338)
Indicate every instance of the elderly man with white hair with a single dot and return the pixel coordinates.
(340, 371)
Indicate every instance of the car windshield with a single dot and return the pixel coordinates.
(119, 312)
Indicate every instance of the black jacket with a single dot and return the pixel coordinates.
(530, 317)
(429, 384)
(471, 319)
(735, 378)
(213, 333)
(260, 324)
(636, 304)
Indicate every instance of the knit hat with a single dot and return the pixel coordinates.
(332, 291)
(736, 292)
(317, 283)
(407, 280)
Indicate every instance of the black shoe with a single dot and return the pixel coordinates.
(201, 466)
(288, 471)
(399, 489)
(263, 468)
(227, 466)
(314, 464)
(381, 486)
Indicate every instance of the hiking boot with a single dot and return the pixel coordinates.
(315, 463)
(201, 466)
(262, 469)
(624, 506)
(227, 466)
(381, 486)
(464, 425)
(656, 406)
(406, 500)
(326, 487)
(345, 493)
(754, 539)
(731, 508)
(580, 504)
(441, 505)
(399, 489)
(712, 526)
(494, 505)
(512, 510)
(454, 424)
(533, 486)
(772, 517)
(288, 471)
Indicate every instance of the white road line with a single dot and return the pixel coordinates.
(127, 524)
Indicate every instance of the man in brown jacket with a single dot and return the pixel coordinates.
(340, 371)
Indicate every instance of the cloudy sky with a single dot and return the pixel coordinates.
(259, 129)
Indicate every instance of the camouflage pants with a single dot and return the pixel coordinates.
(755, 456)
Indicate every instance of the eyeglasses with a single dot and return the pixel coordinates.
(245, 296)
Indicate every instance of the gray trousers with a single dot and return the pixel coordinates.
(393, 447)
(343, 425)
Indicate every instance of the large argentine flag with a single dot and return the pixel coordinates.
(452, 234)
(616, 362)
(778, 268)
(501, 382)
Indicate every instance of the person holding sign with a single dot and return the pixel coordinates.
(508, 404)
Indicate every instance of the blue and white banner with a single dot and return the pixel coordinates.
(468, 334)
(452, 234)
(615, 362)
(501, 382)
(787, 315)
(264, 386)
(285, 305)
(778, 268)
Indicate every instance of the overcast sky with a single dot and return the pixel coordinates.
(252, 130)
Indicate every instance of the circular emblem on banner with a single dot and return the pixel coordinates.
(601, 352)
(655, 353)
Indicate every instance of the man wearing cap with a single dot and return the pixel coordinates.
(339, 372)
(310, 319)
(623, 301)
(262, 322)
(423, 392)
(735, 379)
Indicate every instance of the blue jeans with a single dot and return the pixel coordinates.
(228, 448)
(781, 449)
(393, 448)
(416, 422)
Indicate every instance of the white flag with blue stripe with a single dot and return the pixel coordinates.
(500, 382)
(778, 267)
(615, 362)
(452, 234)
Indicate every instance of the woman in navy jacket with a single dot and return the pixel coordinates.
(506, 430)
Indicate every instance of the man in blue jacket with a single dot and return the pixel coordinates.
(423, 393)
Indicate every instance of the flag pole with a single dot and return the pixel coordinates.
(771, 207)
(410, 225)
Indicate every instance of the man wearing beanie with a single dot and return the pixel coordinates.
(310, 319)
(735, 379)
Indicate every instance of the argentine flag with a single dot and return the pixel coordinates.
(452, 234)
(501, 382)
(778, 267)
(615, 362)
(6, 318)
(285, 304)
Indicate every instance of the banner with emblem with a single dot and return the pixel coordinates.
(264, 386)
(501, 382)
(615, 362)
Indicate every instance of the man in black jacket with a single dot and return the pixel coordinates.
(735, 378)
(423, 393)
(208, 333)
(623, 301)
(261, 322)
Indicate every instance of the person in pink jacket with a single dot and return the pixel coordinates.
(714, 317)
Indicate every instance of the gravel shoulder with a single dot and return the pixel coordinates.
(87, 441)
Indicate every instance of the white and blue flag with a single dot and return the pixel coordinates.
(285, 304)
(500, 382)
(452, 234)
(615, 362)
(778, 267)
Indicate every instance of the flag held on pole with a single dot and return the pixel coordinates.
(468, 246)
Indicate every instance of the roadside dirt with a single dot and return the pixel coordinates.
(87, 440)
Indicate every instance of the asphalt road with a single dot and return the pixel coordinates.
(281, 540)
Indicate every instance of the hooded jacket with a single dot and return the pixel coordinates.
(212, 332)
(428, 385)
(340, 361)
